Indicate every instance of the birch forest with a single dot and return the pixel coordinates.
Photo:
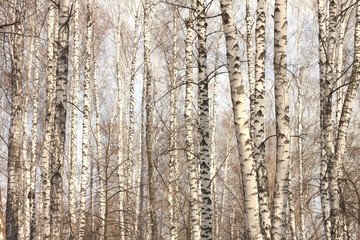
(179, 120)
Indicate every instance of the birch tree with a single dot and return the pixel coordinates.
(14, 145)
(324, 182)
(86, 112)
(189, 123)
(173, 164)
(259, 132)
(149, 123)
(74, 120)
(242, 129)
(204, 122)
(337, 230)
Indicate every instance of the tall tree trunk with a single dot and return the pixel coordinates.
(14, 146)
(173, 164)
(130, 146)
(324, 181)
(281, 189)
(74, 122)
(85, 141)
(25, 226)
(259, 132)
(204, 121)
(60, 120)
(340, 144)
(49, 123)
(122, 177)
(100, 162)
(189, 124)
(149, 123)
(242, 129)
(34, 136)
(250, 65)
(299, 130)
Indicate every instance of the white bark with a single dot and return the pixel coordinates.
(85, 140)
(49, 123)
(324, 182)
(335, 166)
(244, 143)
(2, 221)
(173, 164)
(24, 232)
(122, 177)
(14, 145)
(204, 128)
(34, 230)
(259, 132)
(149, 123)
(189, 124)
(74, 122)
(282, 123)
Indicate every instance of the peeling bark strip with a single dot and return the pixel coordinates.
(149, 123)
(241, 124)
(205, 181)
(74, 121)
(194, 190)
(281, 189)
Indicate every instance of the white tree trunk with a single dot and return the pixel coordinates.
(204, 128)
(340, 144)
(149, 123)
(173, 164)
(189, 124)
(34, 230)
(259, 132)
(74, 122)
(14, 145)
(281, 189)
(85, 140)
(324, 182)
(49, 123)
(244, 143)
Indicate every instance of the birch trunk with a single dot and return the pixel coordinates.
(100, 161)
(34, 134)
(122, 177)
(213, 170)
(25, 227)
(259, 136)
(85, 141)
(340, 143)
(302, 233)
(281, 190)
(244, 143)
(74, 122)
(173, 165)
(14, 146)
(324, 181)
(60, 120)
(149, 123)
(192, 165)
(204, 121)
(292, 225)
(130, 157)
(49, 123)
(250, 65)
